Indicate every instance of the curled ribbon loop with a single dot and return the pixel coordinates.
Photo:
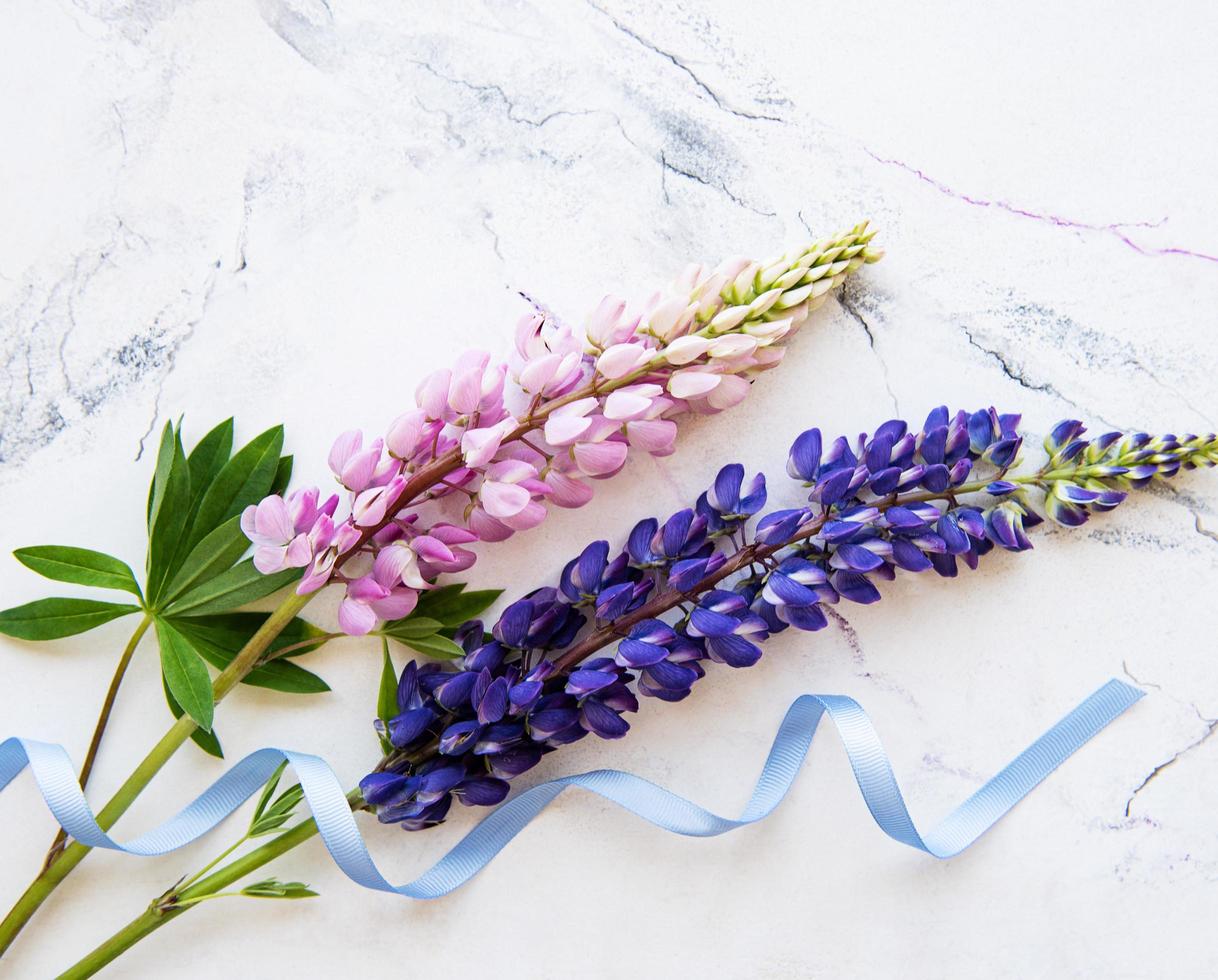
(56, 779)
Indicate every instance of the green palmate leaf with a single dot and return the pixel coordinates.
(50, 619)
(273, 888)
(219, 647)
(208, 458)
(170, 512)
(79, 565)
(438, 647)
(452, 605)
(160, 476)
(231, 631)
(245, 479)
(411, 626)
(185, 674)
(207, 741)
(212, 556)
(241, 584)
(283, 475)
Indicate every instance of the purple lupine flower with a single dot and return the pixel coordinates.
(666, 605)
(728, 503)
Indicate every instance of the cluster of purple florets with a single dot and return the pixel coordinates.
(878, 503)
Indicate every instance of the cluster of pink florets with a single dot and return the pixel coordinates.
(617, 383)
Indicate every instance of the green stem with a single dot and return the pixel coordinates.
(167, 908)
(99, 729)
(50, 877)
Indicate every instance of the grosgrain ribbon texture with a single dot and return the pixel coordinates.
(57, 781)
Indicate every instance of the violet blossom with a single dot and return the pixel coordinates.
(565, 663)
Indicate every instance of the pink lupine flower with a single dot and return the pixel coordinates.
(279, 529)
(371, 506)
(580, 401)
(605, 325)
(354, 468)
(567, 424)
(621, 359)
(389, 591)
(631, 403)
(440, 550)
(402, 439)
(478, 446)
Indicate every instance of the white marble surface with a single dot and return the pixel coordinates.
(290, 209)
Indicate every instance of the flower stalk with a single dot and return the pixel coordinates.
(99, 730)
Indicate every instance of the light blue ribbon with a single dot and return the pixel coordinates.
(56, 779)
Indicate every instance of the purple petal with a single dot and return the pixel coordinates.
(409, 725)
(481, 791)
(735, 651)
(601, 720)
(804, 458)
(856, 587)
(493, 704)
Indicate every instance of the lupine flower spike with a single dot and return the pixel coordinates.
(510, 438)
(699, 589)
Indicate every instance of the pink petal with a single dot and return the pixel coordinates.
(691, 383)
(356, 618)
(620, 359)
(401, 602)
(602, 322)
(480, 445)
(402, 439)
(370, 507)
(686, 349)
(345, 446)
(600, 458)
(539, 373)
(486, 527)
(451, 534)
(432, 394)
(461, 560)
(653, 436)
(247, 521)
(733, 345)
(465, 391)
(562, 430)
(532, 515)
(269, 558)
(346, 537)
(299, 552)
(503, 499)
(365, 589)
(358, 472)
(510, 471)
(431, 548)
(567, 491)
(302, 508)
(630, 403)
(391, 564)
(730, 392)
(671, 318)
(272, 522)
(318, 574)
